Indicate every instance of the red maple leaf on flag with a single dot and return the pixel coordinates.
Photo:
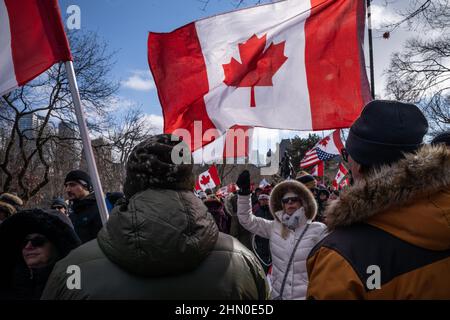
(205, 180)
(324, 142)
(257, 67)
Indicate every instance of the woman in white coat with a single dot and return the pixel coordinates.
(291, 234)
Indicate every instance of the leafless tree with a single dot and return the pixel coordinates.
(126, 133)
(26, 163)
(421, 72)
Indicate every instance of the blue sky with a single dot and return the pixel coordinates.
(124, 25)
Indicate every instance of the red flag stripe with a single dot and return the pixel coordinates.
(310, 163)
(214, 175)
(337, 140)
(327, 50)
(38, 39)
(179, 70)
(320, 169)
(343, 169)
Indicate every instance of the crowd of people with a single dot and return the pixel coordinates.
(296, 239)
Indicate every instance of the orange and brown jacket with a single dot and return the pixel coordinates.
(397, 219)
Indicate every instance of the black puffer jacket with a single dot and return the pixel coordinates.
(16, 280)
(260, 244)
(236, 229)
(86, 218)
(163, 244)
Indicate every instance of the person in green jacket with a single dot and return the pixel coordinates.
(159, 243)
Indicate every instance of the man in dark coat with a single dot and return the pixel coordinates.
(84, 211)
(160, 242)
(389, 234)
(31, 241)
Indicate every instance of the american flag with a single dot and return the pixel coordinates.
(315, 156)
(326, 149)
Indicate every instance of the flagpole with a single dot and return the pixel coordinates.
(369, 28)
(86, 142)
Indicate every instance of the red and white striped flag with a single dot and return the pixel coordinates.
(342, 172)
(32, 39)
(326, 149)
(318, 169)
(288, 65)
(208, 179)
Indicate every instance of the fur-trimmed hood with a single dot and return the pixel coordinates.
(394, 190)
(309, 203)
(50, 223)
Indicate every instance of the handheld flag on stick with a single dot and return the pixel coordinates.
(208, 179)
(32, 39)
(342, 172)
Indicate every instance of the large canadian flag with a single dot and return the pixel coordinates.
(208, 179)
(32, 39)
(295, 64)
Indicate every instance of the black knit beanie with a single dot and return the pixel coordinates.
(384, 131)
(150, 166)
(80, 177)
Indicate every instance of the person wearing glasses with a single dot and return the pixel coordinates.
(31, 242)
(292, 234)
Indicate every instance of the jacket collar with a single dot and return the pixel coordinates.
(418, 175)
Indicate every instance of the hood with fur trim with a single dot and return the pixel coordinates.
(309, 203)
(410, 199)
(50, 223)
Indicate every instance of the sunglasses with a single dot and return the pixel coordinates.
(344, 154)
(36, 242)
(292, 199)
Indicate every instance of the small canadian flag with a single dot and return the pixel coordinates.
(208, 179)
(344, 183)
(340, 175)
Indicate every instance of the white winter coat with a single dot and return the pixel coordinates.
(280, 248)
